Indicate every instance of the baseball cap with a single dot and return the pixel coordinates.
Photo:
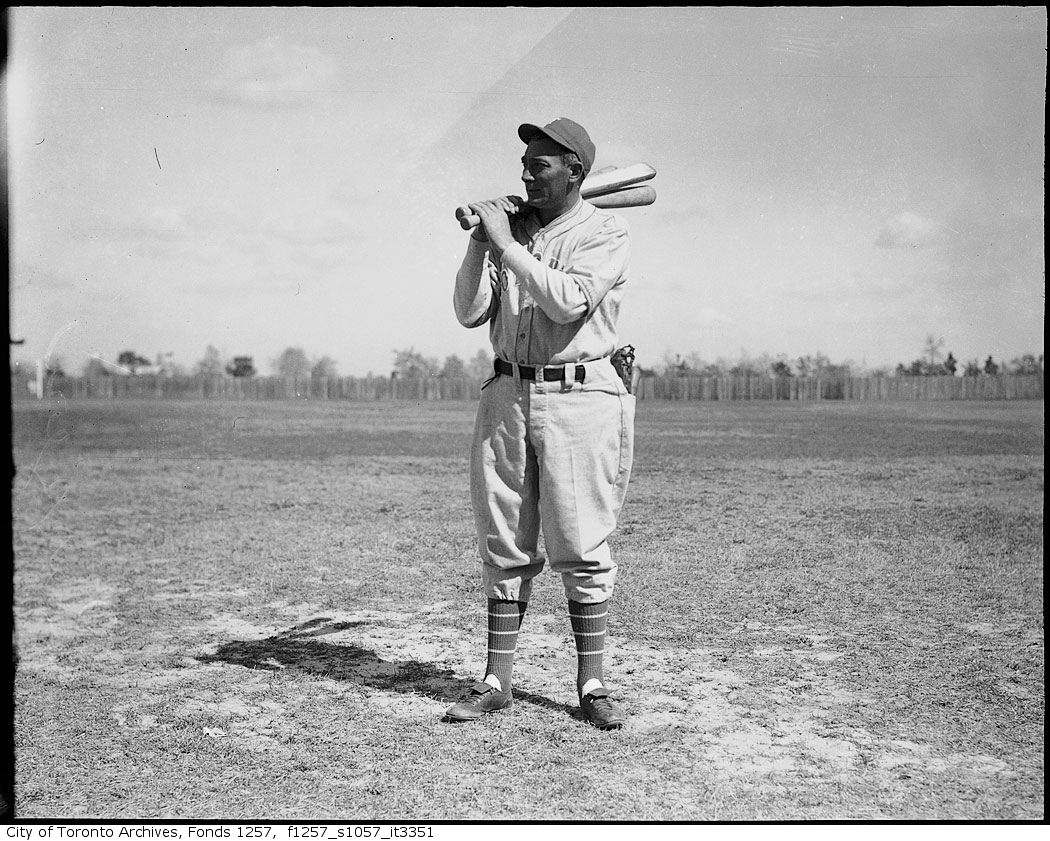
(569, 134)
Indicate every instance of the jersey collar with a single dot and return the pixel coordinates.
(579, 212)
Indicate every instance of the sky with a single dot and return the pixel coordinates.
(845, 181)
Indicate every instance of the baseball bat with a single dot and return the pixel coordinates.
(638, 195)
(608, 181)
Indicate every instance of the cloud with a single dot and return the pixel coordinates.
(709, 317)
(273, 73)
(908, 230)
(161, 225)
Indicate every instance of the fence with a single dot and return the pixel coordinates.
(757, 387)
(225, 387)
(744, 387)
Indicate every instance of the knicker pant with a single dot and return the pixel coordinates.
(554, 456)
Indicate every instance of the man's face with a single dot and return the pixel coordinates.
(547, 180)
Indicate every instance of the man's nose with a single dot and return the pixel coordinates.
(526, 176)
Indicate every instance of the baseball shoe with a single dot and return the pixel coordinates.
(482, 698)
(600, 711)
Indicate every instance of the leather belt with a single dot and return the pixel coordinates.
(527, 372)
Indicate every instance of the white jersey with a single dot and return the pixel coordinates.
(555, 298)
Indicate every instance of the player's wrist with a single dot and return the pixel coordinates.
(501, 243)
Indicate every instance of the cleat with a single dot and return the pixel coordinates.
(482, 698)
(600, 711)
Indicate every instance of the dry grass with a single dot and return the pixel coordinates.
(260, 610)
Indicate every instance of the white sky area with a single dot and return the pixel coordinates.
(836, 180)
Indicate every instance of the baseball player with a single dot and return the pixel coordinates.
(554, 435)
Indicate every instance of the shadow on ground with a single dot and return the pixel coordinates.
(300, 648)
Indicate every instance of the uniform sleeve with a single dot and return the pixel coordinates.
(473, 298)
(598, 264)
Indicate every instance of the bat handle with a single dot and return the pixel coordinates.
(467, 220)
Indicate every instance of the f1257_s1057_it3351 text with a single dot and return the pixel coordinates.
(373, 831)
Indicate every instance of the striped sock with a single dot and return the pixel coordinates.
(588, 627)
(504, 622)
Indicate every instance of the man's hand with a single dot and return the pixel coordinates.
(495, 222)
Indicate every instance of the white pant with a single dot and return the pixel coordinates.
(557, 454)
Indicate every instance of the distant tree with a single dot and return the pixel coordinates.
(743, 368)
(241, 366)
(746, 365)
(293, 362)
(780, 368)
(990, 367)
(211, 363)
(924, 368)
(480, 366)
(95, 368)
(131, 360)
(324, 367)
(412, 364)
(55, 367)
(810, 365)
(932, 350)
(674, 365)
(668, 362)
(819, 365)
(1026, 364)
(454, 368)
(973, 369)
(165, 363)
(695, 362)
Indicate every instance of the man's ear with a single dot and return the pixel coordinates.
(576, 173)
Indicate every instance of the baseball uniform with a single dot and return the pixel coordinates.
(553, 438)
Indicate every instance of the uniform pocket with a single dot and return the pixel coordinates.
(602, 377)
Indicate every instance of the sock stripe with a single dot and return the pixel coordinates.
(504, 621)
(589, 630)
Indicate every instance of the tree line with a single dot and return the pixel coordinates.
(294, 362)
(932, 363)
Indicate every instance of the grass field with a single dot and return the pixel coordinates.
(260, 611)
